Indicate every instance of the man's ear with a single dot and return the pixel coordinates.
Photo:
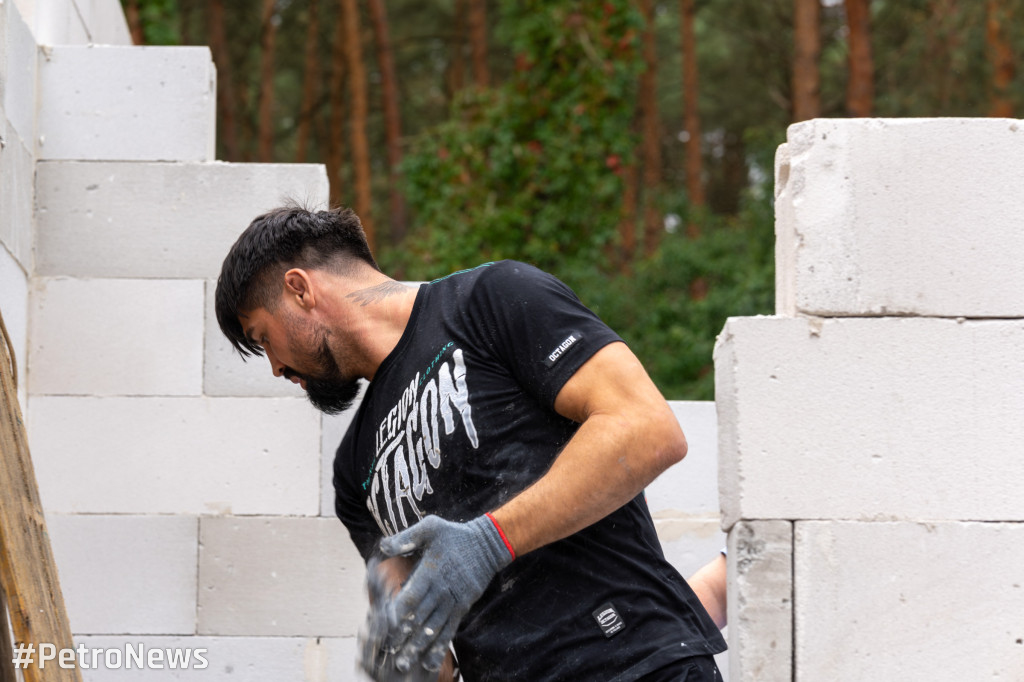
(299, 284)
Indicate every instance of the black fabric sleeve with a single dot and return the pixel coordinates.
(536, 326)
(355, 516)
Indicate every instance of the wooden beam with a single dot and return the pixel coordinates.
(6, 650)
(28, 575)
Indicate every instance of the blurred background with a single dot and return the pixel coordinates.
(624, 145)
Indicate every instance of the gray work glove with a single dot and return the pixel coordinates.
(376, 659)
(457, 563)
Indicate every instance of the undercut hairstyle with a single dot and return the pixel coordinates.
(288, 237)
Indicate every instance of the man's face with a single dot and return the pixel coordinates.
(299, 350)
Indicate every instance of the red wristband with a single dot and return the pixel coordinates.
(508, 545)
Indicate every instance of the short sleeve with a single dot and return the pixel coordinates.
(537, 327)
(355, 516)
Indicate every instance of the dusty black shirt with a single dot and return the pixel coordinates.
(458, 419)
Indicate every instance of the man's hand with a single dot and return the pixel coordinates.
(457, 562)
(383, 580)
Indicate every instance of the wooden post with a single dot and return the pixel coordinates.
(28, 575)
(7, 673)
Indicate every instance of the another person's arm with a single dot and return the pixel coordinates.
(709, 584)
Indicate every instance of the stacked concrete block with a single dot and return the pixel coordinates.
(273, 576)
(148, 589)
(760, 603)
(75, 22)
(17, 102)
(104, 21)
(156, 220)
(19, 75)
(879, 414)
(909, 600)
(901, 217)
(175, 455)
(127, 103)
(14, 307)
(872, 418)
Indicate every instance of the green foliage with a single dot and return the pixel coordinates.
(673, 305)
(529, 170)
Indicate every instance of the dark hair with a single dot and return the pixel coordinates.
(281, 239)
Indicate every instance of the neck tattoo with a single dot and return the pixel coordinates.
(377, 293)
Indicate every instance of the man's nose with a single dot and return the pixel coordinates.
(276, 366)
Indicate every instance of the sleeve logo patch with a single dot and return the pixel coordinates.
(609, 619)
(557, 353)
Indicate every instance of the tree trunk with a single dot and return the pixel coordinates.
(357, 116)
(457, 71)
(807, 43)
(478, 41)
(860, 88)
(1000, 54)
(268, 44)
(185, 9)
(392, 117)
(651, 134)
(336, 133)
(310, 81)
(691, 115)
(226, 112)
(131, 13)
(627, 225)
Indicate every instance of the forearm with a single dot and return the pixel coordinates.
(709, 584)
(610, 459)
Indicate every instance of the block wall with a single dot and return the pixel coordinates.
(869, 440)
(187, 493)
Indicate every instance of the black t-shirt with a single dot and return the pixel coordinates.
(458, 419)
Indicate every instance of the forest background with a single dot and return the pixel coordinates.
(624, 145)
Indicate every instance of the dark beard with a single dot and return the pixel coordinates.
(331, 397)
(330, 392)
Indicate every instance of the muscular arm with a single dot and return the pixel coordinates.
(627, 437)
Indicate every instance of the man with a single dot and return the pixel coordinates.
(503, 443)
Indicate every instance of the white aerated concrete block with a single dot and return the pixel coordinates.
(14, 308)
(17, 191)
(689, 542)
(104, 22)
(760, 605)
(224, 659)
(689, 487)
(127, 574)
(174, 220)
(226, 373)
(901, 216)
(870, 419)
(176, 455)
(58, 22)
(279, 576)
(117, 337)
(19, 76)
(127, 103)
(911, 601)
